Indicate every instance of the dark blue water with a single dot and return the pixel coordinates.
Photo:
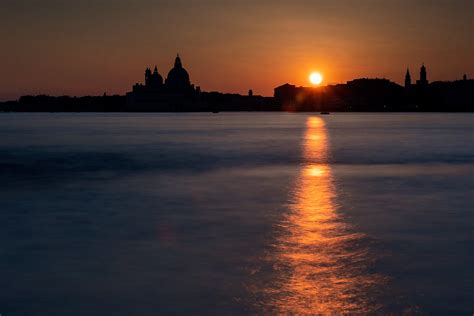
(140, 214)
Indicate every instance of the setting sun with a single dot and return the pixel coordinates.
(315, 78)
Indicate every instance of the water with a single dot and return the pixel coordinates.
(236, 213)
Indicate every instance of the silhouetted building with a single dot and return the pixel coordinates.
(153, 80)
(176, 94)
(423, 81)
(285, 96)
(356, 95)
(407, 79)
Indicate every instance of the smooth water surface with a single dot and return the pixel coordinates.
(236, 213)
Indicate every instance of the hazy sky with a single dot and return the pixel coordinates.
(90, 47)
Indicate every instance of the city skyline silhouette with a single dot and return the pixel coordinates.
(176, 92)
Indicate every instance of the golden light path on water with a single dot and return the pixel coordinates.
(320, 264)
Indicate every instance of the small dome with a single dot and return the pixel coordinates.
(157, 77)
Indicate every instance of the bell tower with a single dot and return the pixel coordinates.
(407, 79)
(423, 80)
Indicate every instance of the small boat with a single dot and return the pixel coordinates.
(324, 113)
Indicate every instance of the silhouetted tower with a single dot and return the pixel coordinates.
(464, 77)
(423, 80)
(147, 76)
(407, 79)
(157, 79)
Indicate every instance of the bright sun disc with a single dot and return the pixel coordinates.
(315, 78)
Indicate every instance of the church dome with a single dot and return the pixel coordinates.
(178, 77)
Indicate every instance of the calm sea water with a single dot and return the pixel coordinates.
(230, 213)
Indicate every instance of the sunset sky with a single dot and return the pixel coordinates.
(92, 47)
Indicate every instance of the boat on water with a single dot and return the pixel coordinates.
(324, 113)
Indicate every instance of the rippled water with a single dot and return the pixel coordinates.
(236, 213)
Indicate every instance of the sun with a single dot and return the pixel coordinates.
(315, 78)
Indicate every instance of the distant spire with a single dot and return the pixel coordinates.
(407, 79)
(156, 69)
(423, 79)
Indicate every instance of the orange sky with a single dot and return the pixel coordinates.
(77, 48)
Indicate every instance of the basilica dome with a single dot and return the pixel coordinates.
(178, 77)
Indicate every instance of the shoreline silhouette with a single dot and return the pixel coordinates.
(176, 93)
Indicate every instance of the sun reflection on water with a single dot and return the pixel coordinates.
(320, 263)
